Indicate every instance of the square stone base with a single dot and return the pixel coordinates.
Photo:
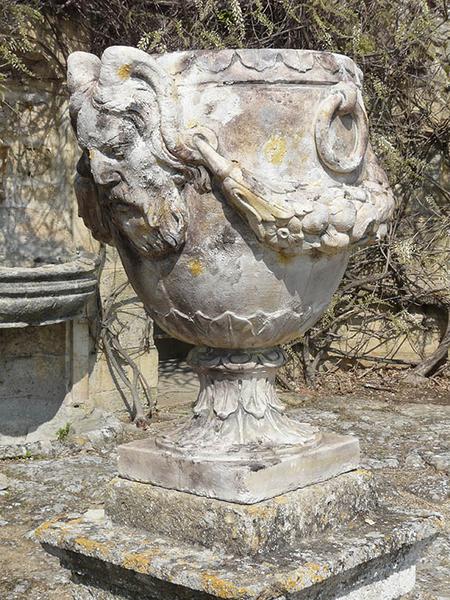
(242, 529)
(365, 560)
(235, 477)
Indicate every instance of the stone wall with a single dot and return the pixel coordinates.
(38, 155)
(58, 374)
(408, 339)
(32, 381)
(135, 334)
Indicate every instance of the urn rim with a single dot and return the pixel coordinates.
(288, 65)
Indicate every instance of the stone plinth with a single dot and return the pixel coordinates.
(247, 476)
(371, 556)
(241, 529)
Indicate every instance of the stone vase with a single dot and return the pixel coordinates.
(233, 184)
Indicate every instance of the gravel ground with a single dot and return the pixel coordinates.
(404, 443)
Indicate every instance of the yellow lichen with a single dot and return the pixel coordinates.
(317, 572)
(60, 520)
(138, 561)
(222, 588)
(91, 546)
(191, 124)
(44, 526)
(308, 573)
(281, 500)
(275, 149)
(91, 153)
(364, 472)
(261, 511)
(124, 71)
(293, 583)
(195, 267)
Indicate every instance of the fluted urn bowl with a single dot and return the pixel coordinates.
(233, 184)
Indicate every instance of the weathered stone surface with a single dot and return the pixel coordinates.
(246, 478)
(37, 489)
(54, 377)
(47, 294)
(40, 489)
(129, 561)
(47, 371)
(236, 528)
(95, 431)
(395, 585)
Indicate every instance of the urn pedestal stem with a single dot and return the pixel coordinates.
(239, 445)
(238, 408)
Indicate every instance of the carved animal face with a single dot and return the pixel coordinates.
(135, 190)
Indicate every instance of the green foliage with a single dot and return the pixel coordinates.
(16, 20)
(63, 433)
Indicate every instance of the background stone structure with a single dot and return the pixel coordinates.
(56, 375)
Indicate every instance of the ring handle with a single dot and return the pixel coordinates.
(343, 100)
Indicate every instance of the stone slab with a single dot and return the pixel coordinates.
(241, 529)
(113, 561)
(255, 477)
(396, 585)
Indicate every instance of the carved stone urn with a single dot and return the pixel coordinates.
(233, 184)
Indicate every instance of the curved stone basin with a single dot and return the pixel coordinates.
(46, 294)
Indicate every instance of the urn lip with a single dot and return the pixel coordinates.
(262, 65)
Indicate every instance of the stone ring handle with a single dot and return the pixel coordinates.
(343, 100)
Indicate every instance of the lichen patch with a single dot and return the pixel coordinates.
(221, 587)
(191, 124)
(309, 573)
(138, 561)
(124, 71)
(91, 546)
(195, 267)
(275, 149)
(44, 526)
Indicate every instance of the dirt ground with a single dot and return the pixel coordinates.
(404, 434)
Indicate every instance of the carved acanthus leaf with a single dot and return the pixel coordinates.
(238, 405)
(234, 330)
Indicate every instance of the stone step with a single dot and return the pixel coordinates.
(371, 560)
(247, 477)
(242, 529)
